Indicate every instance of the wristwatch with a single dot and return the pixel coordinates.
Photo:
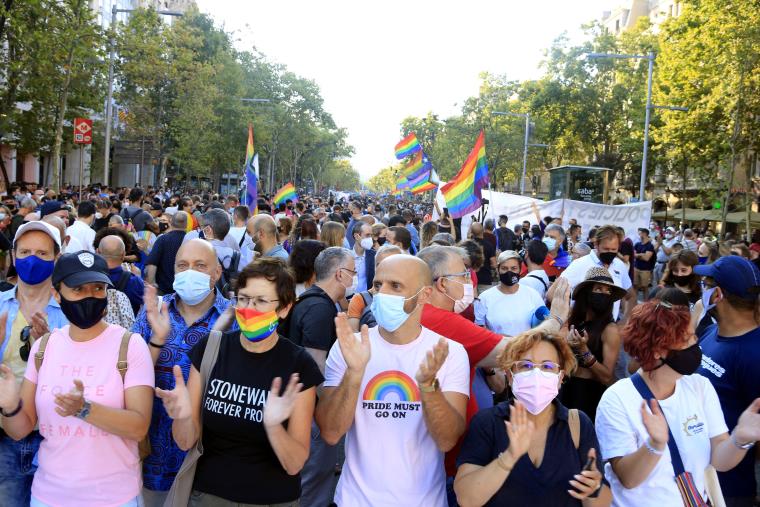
(435, 386)
(85, 410)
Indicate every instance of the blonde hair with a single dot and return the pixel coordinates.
(522, 343)
(333, 234)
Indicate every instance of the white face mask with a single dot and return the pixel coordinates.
(367, 243)
(467, 298)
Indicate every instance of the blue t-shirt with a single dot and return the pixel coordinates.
(546, 485)
(160, 468)
(641, 264)
(731, 364)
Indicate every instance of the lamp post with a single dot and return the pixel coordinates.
(525, 144)
(109, 108)
(650, 57)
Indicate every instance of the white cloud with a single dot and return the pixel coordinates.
(379, 62)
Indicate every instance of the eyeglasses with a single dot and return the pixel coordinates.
(26, 340)
(248, 302)
(526, 366)
(466, 273)
(353, 273)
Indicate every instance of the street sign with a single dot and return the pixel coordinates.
(82, 131)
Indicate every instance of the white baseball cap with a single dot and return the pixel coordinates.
(39, 226)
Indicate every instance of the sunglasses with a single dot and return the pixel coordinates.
(26, 341)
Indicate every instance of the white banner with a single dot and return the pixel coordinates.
(589, 215)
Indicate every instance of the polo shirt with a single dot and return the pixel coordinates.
(576, 273)
(546, 485)
(279, 252)
(162, 256)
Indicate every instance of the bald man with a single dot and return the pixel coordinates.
(68, 244)
(171, 330)
(390, 386)
(159, 267)
(112, 249)
(264, 236)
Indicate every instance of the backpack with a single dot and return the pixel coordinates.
(546, 287)
(285, 324)
(122, 365)
(229, 275)
(366, 316)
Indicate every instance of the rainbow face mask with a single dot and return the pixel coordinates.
(256, 325)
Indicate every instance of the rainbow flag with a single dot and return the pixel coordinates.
(251, 174)
(401, 184)
(407, 146)
(286, 192)
(418, 166)
(462, 193)
(428, 181)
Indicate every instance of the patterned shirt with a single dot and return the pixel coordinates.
(160, 468)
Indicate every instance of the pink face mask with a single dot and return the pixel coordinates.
(535, 389)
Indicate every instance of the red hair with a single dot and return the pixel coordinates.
(653, 327)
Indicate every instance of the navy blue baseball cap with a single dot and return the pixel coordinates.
(733, 274)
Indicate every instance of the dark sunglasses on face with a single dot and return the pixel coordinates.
(26, 341)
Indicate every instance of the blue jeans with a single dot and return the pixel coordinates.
(17, 467)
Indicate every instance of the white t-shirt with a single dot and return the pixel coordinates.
(576, 273)
(83, 233)
(694, 415)
(662, 257)
(507, 314)
(536, 280)
(391, 458)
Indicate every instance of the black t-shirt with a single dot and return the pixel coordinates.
(162, 255)
(238, 462)
(312, 322)
(102, 222)
(484, 273)
(641, 264)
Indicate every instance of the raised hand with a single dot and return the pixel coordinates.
(158, 319)
(587, 481)
(519, 430)
(433, 361)
(278, 409)
(561, 299)
(177, 401)
(355, 352)
(9, 393)
(655, 423)
(578, 341)
(72, 402)
(748, 428)
(39, 325)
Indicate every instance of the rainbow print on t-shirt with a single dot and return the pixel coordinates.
(389, 383)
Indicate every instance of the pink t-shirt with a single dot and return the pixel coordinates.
(80, 464)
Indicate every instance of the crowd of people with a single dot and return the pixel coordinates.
(173, 348)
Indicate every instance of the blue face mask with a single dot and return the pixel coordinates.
(550, 243)
(706, 305)
(192, 286)
(388, 310)
(33, 270)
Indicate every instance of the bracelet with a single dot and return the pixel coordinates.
(155, 345)
(501, 464)
(15, 411)
(651, 448)
(589, 364)
(558, 319)
(743, 447)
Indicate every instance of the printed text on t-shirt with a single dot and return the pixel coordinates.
(235, 400)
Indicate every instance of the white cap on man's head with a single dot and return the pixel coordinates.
(38, 226)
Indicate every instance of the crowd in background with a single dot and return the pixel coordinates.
(166, 347)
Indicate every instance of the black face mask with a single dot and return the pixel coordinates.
(683, 280)
(686, 361)
(509, 278)
(84, 313)
(599, 302)
(525, 230)
(607, 257)
(381, 241)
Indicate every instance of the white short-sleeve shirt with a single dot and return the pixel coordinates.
(694, 416)
(507, 314)
(391, 458)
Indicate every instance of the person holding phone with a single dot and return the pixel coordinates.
(533, 451)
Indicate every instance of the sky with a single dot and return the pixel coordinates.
(378, 62)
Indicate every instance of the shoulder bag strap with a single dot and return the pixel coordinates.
(646, 393)
(122, 364)
(40, 355)
(540, 280)
(574, 421)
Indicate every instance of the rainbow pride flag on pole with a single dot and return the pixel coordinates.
(286, 192)
(251, 174)
(401, 184)
(407, 146)
(428, 181)
(462, 193)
